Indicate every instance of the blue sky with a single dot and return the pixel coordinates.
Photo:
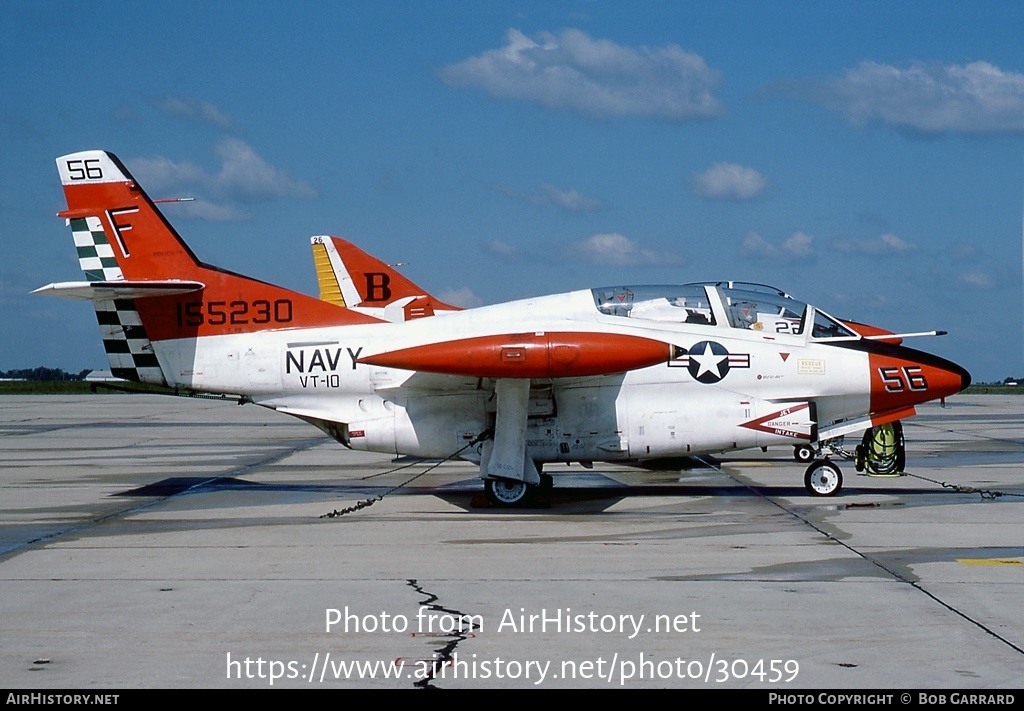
(865, 157)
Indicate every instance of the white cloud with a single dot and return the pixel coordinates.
(243, 176)
(927, 97)
(571, 70)
(194, 110)
(502, 249)
(728, 181)
(463, 297)
(865, 301)
(160, 173)
(568, 200)
(976, 280)
(883, 245)
(617, 250)
(798, 246)
(205, 210)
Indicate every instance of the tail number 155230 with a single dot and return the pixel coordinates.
(236, 313)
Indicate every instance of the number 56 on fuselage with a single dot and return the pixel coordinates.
(621, 373)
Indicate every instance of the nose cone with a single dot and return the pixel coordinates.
(901, 377)
(965, 377)
(949, 378)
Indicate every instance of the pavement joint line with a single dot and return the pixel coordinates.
(77, 528)
(864, 556)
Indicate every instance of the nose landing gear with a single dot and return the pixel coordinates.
(803, 453)
(882, 452)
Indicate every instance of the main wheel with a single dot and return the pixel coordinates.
(823, 478)
(803, 453)
(507, 492)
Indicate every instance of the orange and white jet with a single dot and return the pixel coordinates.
(635, 374)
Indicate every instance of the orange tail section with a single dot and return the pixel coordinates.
(349, 276)
(122, 237)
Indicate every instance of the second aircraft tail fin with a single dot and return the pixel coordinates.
(350, 277)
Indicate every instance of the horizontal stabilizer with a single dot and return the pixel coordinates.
(110, 290)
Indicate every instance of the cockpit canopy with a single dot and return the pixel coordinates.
(754, 307)
(687, 303)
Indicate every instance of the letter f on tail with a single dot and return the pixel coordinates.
(147, 285)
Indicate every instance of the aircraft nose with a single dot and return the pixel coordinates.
(902, 377)
(965, 377)
(950, 378)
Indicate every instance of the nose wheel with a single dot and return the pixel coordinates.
(803, 453)
(823, 478)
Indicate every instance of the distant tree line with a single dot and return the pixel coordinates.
(43, 374)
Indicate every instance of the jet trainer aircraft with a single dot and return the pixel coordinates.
(633, 374)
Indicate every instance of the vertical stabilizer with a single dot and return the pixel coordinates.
(120, 235)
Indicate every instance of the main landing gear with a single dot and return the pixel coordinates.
(823, 478)
(512, 493)
(507, 492)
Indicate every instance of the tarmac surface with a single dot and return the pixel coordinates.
(148, 541)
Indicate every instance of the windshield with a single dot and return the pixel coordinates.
(762, 308)
(827, 327)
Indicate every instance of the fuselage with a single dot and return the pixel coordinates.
(615, 373)
(743, 368)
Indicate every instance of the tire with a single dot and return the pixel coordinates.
(506, 493)
(803, 453)
(823, 478)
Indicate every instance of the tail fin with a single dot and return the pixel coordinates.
(148, 286)
(350, 277)
(112, 216)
